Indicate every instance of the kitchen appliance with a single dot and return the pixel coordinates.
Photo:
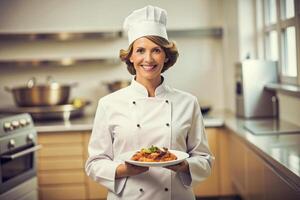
(47, 94)
(18, 142)
(252, 100)
(57, 112)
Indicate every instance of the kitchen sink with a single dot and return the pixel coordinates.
(271, 127)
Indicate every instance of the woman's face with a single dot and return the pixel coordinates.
(148, 59)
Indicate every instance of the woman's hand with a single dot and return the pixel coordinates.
(181, 167)
(127, 169)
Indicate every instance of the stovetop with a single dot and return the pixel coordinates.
(271, 127)
(17, 123)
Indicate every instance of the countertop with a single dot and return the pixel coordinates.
(86, 124)
(281, 151)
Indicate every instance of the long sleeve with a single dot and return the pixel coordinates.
(200, 159)
(100, 165)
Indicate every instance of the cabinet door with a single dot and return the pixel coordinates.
(226, 188)
(255, 177)
(55, 192)
(95, 190)
(61, 166)
(277, 188)
(210, 187)
(237, 158)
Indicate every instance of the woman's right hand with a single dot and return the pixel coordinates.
(127, 169)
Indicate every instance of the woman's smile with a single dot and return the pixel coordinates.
(148, 67)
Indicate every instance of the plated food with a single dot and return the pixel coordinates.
(147, 157)
(154, 154)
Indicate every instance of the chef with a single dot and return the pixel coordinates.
(148, 112)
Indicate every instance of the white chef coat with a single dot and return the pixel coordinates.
(128, 120)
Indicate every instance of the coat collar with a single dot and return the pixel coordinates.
(141, 90)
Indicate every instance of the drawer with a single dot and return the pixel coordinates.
(61, 177)
(62, 192)
(60, 164)
(61, 150)
(57, 138)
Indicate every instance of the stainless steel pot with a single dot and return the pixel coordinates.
(49, 94)
(116, 85)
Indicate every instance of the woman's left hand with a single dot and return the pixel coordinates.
(181, 167)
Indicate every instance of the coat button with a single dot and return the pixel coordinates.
(134, 102)
(141, 190)
(167, 124)
(138, 125)
(166, 189)
(167, 101)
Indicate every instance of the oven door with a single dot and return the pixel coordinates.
(17, 166)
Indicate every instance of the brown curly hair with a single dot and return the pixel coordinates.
(169, 48)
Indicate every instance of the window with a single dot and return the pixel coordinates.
(289, 61)
(281, 27)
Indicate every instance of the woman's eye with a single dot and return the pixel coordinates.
(157, 50)
(140, 50)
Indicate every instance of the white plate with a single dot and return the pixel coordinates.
(181, 156)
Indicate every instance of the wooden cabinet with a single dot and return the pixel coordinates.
(253, 177)
(277, 188)
(237, 159)
(218, 184)
(211, 187)
(95, 190)
(61, 163)
(61, 166)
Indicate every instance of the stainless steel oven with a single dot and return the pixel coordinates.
(18, 146)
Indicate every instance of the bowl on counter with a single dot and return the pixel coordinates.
(116, 85)
(32, 94)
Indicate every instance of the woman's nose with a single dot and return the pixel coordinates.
(148, 57)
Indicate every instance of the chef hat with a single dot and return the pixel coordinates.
(149, 20)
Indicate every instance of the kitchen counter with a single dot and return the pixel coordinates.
(280, 151)
(86, 124)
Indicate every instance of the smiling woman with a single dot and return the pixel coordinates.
(169, 48)
(147, 112)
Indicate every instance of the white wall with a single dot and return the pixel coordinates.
(199, 68)
(230, 50)
(99, 15)
(289, 108)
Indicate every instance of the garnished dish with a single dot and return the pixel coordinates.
(154, 154)
(154, 157)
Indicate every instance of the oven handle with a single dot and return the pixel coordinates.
(22, 153)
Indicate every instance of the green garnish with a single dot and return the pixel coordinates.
(152, 149)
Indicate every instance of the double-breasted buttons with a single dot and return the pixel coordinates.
(141, 190)
(166, 189)
(138, 125)
(134, 102)
(167, 124)
(167, 101)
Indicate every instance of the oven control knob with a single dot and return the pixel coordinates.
(30, 137)
(15, 124)
(11, 144)
(23, 122)
(8, 126)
